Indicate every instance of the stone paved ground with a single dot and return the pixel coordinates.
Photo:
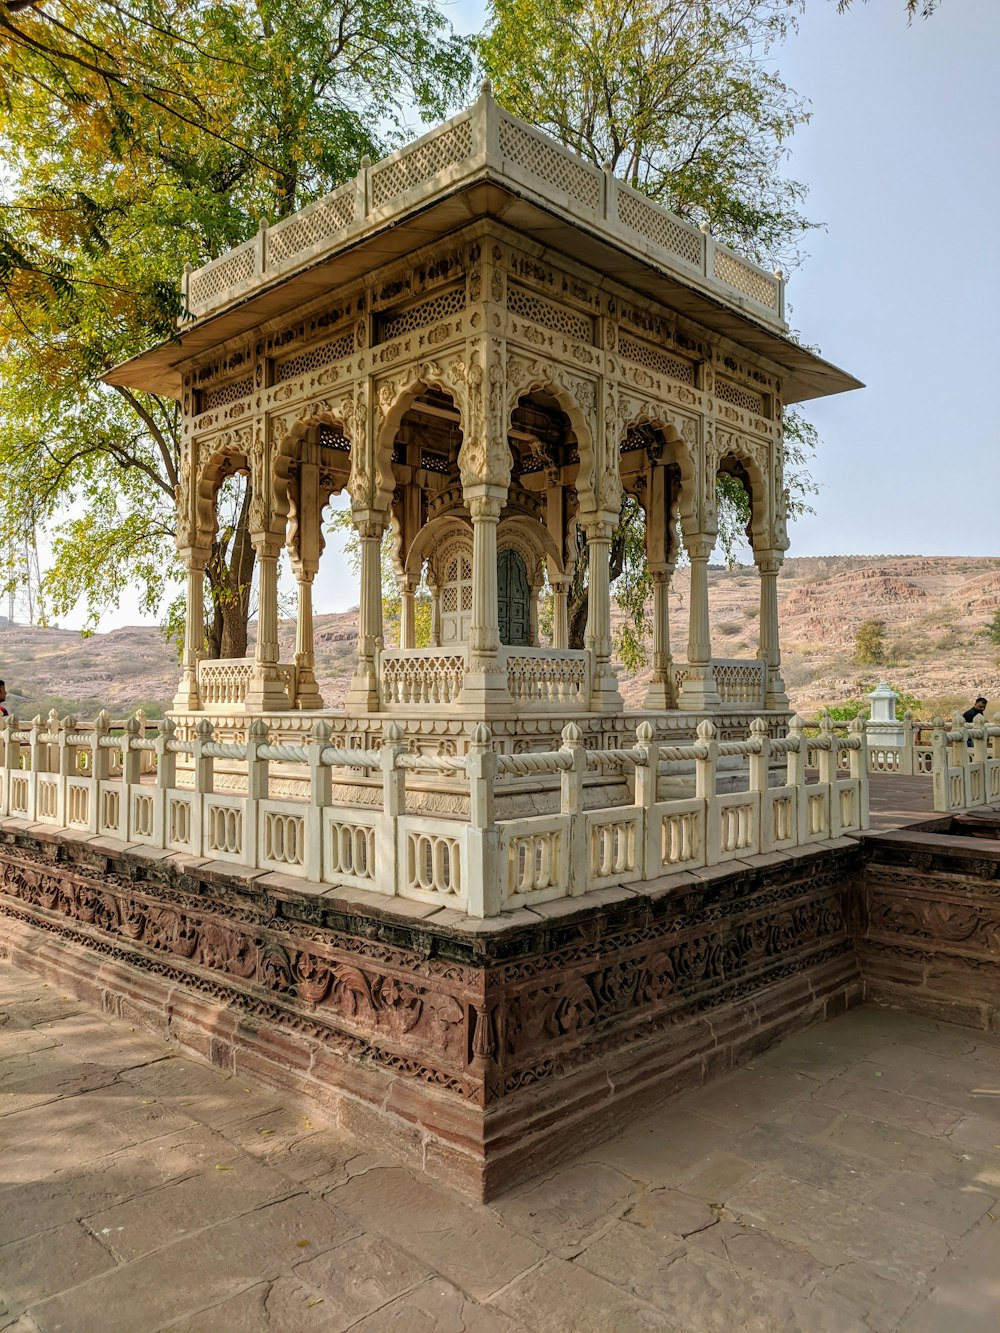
(847, 1180)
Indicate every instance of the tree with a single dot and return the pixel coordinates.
(139, 137)
(993, 629)
(675, 96)
(914, 8)
(869, 643)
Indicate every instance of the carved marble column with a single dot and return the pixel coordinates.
(560, 613)
(768, 564)
(485, 682)
(307, 693)
(699, 690)
(407, 614)
(266, 692)
(187, 697)
(660, 693)
(604, 695)
(363, 695)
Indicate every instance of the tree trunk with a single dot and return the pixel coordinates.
(229, 584)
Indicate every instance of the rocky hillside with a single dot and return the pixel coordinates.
(935, 610)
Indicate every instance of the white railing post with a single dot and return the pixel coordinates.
(760, 764)
(483, 887)
(166, 760)
(706, 758)
(907, 759)
(131, 758)
(320, 796)
(67, 767)
(940, 763)
(571, 803)
(858, 761)
(387, 849)
(646, 775)
(826, 763)
(795, 776)
(257, 790)
(204, 783)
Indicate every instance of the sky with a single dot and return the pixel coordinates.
(898, 288)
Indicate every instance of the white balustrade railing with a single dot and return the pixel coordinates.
(57, 774)
(902, 748)
(966, 764)
(412, 677)
(223, 682)
(741, 682)
(545, 676)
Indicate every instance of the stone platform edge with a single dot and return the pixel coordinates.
(479, 1052)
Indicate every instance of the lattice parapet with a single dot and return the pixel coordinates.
(215, 279)
(484, 143)
(746, 278)
(319, 222)
(413, 166)
(661, 227)
(541, 157)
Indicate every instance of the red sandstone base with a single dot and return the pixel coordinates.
(479, 1056)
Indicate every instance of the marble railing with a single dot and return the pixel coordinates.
(543, 676)
(223, 682)
(53, 773)
(412, 677)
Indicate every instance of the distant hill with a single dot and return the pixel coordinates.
(936, 610)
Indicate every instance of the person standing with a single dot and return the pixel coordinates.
(3, 700)
(970, 716)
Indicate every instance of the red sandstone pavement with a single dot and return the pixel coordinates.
(847, 1180)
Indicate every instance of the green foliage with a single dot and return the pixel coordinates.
(681, 99)
(993, 629)
(137, 138)
(869, 643)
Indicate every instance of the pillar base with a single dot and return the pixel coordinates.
(659, 696)
(485, 692)
(187, 699)
(699, 692)
(266, 693)
(307, 695)
(605, 696)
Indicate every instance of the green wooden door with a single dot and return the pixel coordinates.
(513, 600)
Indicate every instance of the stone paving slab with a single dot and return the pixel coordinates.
(848, 1179)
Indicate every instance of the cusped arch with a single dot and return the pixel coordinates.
(225, 457)
(435, 536)
(532, 541)
(733, 448)
(545, 380)
(288, 452)
(677, 451)
(395, 398)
